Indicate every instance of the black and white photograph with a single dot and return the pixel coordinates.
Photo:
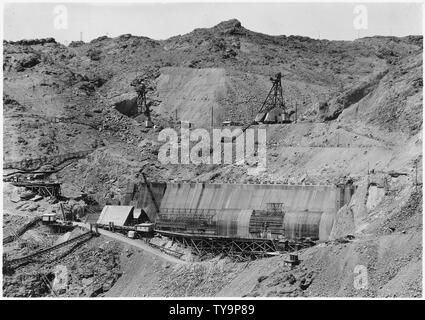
(214, 150)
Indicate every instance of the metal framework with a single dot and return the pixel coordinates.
(274, 98)
(141, 98)
(140, 88)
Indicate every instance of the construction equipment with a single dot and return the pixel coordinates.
(49, 218)
(140, 88)
(66, 216)
(131, 234)
(292, 261)
(273, 109)
(145, 227)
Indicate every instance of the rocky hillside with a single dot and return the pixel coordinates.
(359, 119)
(60, 99)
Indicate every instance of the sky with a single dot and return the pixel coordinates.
(333, 21)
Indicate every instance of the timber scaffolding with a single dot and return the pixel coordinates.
(45, 189)
(239, 249)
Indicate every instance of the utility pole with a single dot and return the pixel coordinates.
(81, 36)
(296, 110)
(212, 116)
(368, 180)
(416, 175)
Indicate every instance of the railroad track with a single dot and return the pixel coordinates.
(148, 247)
(21, 230)
(14, 263)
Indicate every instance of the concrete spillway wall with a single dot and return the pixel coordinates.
(251, 196)
(309, 209)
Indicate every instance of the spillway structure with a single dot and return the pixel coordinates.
(246, 217)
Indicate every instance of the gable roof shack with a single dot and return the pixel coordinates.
(140, 215)
(274, 115)
(119, 215)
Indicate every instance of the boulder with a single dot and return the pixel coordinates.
(27, 195)
(33, 207)
(36, 198)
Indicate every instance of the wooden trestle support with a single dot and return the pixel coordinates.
(44, 189)
(235, 248)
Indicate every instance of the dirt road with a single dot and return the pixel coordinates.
(135, 243)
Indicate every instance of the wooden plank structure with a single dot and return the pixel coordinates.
(236, 248)
(45, 189)
(239, 249)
